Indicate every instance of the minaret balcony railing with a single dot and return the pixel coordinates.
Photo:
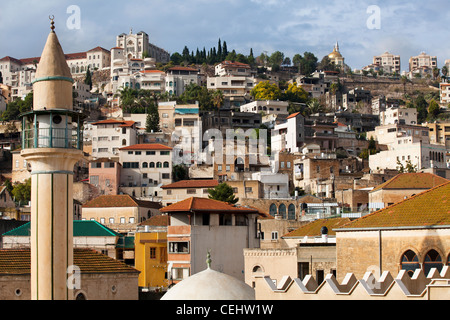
(68, 133)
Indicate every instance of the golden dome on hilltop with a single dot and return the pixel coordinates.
(335, 54)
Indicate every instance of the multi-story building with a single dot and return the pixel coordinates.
(108, 136)
(439, 133)
(105, 175)
(181, 190)
(230, 68)
(137, 46)
(422, 64)
(266, 107)
(398, 115)
(236, 89)
(178, 78)
(145, 168)
(389, 62)
(445, 94)
(290, 135)
(199, 225)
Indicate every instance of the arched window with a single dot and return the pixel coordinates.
(144, 165)
(291, 212)
(432, 260)
(124, 142)
(282, 211)
(257, 269)
(273, 210)
(159, 165)
(166, 164)
(152, 164)
(410, 262)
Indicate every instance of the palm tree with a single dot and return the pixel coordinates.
(314, 106)
(444, 72)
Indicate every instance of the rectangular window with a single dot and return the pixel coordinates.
(178, 247)
(150, 153)
(152, 253)
(274, 235)
(164, 153)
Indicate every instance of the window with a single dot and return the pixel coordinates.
(159, 165)
(273, 209)
(179, 247)
(166, 164)
(282, 210)
(410, 262)
(274, 235)
(131, 220)
(111, 220)
(432, 260)
(164, 153)
(166, 175)
(291, 212)
(225, 219)
(122, 220)
(150, 153)
(180, 273)
(144, 165)
(152, 253)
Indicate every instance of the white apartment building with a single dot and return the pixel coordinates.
(108, 136)
(388, 61)
(229, 68)
(236, 89)
(445, 94)
(178, 78)
(406, 143)
(145, 168)
(290, 135)
(398, 115)
(422, 64)
(266, 107)
(275, 185)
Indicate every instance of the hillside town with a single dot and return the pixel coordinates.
(300, 177)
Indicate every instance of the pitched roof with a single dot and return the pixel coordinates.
(314, 228)
(147, 146)
(18, 261)
(428, 208)
(205, 204)
(191, 184)
(109, 121)
(119, 200)
(416, 180)
(293, 115)
(157, 221)
(81, 228)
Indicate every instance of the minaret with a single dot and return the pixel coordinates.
(51, 143)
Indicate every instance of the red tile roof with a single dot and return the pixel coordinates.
(314, 228)
(428, 208)
(109, 121)
(18, 261)
(157, 221)
(204, 204)
(293, 115)
(98, 49)
(147, 146)
(120, 200)
(191, 184)
(418, 180)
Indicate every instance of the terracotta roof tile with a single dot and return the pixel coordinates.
(314, 228)
(18, 261)
(293, 115)
(205, 204)
(417, 180)
(428, 208)
(157, 221)
(191, 184)
(120, 200)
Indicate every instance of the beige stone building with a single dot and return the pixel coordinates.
(122, 213)
(389, 62)
(402, 186)
(184, 189)
(114, 280)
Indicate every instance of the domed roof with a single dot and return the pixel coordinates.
(210, 285)
(335, 54)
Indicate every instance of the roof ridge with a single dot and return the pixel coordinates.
(397, 203)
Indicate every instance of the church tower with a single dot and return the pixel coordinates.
(52, 144)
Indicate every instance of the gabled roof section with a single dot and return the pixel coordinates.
(191, 184)
(81, 228)
(194, 204)
(313, 229)
(156, 221)
(416, 180)
(119, 201)
(147, 146)
(18, 261)
(293, 115)
(429, 208)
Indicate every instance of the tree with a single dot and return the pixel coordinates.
(176, 58)
(276, 59)
(223, 192)
(409, 168)
(152, 121)
(314, 106)
(88, 78)
(180, 172)
(444, 72)
(433, 109)
(22, 192)
(295, 93)
(421, 106)
(308, 63)
(266, 91)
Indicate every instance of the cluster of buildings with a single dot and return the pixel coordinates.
(314, 218)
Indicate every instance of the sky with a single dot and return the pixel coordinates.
(363, 28)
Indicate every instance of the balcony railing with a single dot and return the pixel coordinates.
(52, 138)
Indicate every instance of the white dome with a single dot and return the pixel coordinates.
(210, 285)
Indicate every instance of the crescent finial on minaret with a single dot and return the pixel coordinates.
(52, 18)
